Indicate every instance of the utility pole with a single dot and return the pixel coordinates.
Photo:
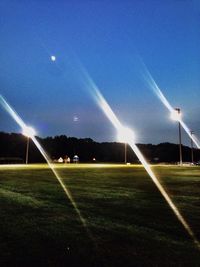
(27, 149)
(179, 133)
(192, 148)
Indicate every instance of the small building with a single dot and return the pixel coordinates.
(60, 160)
(67, 159)
(75, 159)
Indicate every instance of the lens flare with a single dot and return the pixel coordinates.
(29, 132)
(150, 81)
(175, 116)
(125, 135)
(104, 106)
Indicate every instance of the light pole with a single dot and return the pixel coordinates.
(125, 135)
(179, 133)
(176, 115)
(192, 150)
(29, 132)
(27, 148)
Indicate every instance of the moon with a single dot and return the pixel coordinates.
(53, 58)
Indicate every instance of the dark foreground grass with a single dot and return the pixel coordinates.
(129, 222)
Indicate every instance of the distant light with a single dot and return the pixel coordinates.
(29, 132)
(53, 58)
(175, 115)
(75, 118)
(125, 135)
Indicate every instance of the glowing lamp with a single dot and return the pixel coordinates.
(29, 132)
(125, 135)
(176, 115)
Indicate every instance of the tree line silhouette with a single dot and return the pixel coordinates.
(13, 150)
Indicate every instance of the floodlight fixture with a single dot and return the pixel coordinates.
(176, 114)
(125, 135)
(29, 131)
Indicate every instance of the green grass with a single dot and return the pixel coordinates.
(128, 221)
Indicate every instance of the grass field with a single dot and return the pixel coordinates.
(128, 222)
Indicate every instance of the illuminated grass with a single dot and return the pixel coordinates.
(128, 218)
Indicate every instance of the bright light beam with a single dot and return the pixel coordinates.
(24, 127)
(150, 81)
(29, 132)
(102, 103)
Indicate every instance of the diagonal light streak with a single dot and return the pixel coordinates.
(21, 123)
(104, 106)
(151, 82)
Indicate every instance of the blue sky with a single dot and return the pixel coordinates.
(108, 38)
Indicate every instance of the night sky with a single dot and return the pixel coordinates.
(110, 39)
